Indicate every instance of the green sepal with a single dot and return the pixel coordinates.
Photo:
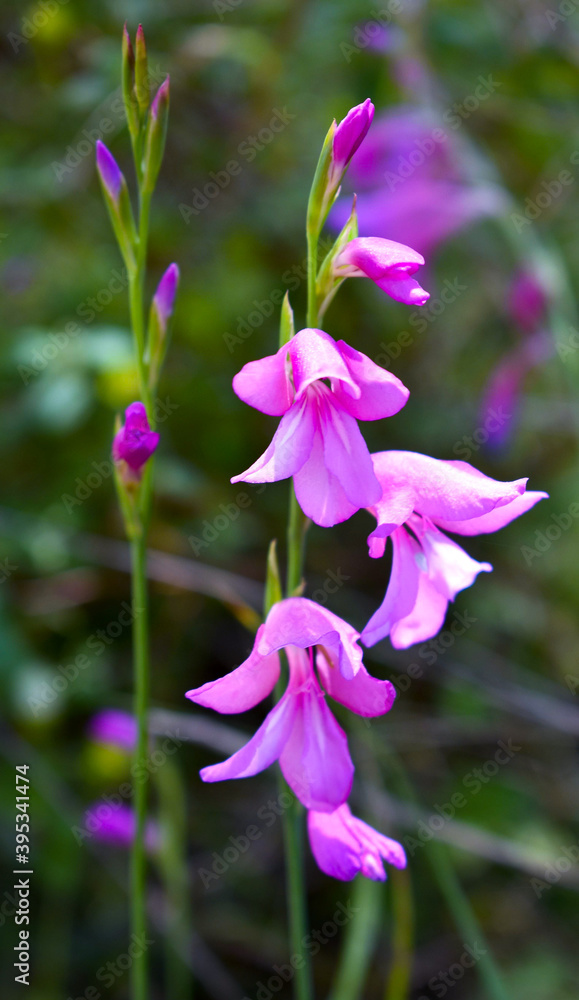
(123, 223)
(286, 322)
(321, 196)
(142, 88)
(155, 137)
(327, 282)
(273, 588)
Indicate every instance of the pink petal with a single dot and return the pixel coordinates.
(443, 490)
(425, 619)
(450, 568)
(402, 589)
(365, 695)
(297, 621)
(320, 493)
(315, 355)
(243, 688)
(496, 518)
(262, 749)
(404, 289)
(289, 448)
(334, 846)
(382, 394)
(265, 384)
(315, 761)
(346, 454)
(375, 257)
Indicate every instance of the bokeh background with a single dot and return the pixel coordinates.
(498, 223)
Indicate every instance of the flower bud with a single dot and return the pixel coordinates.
(340, 144)
(159, 322)
(135, 442)
(155, 135)
(116, 196)
(286, 322)
(142, 89)
(128, 76)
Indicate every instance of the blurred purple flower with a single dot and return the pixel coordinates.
(501, 398)
(526, 301)
(135, 442)
(344, 845)
(114, 728)
(116, 825)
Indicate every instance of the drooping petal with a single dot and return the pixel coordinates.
(402, 590)
(450, 568)
(315, 355)
(319, 492)
(265, 384)
(496, 518)
(425, 619)
(365, 695)
(315, 761)
(346, 455)
(375, 257)
(289, 449)
(241, 689)
(381, 393)
(344, 845)
(297, 621)
(262, 749)
(404, 289)
(443, 490)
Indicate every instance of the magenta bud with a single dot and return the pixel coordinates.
(109, 171)
(164, 298)
(350, 133)
(162, 95)
(135, 442)
(114, 728)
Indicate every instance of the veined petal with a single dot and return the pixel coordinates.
(315, 355)
(289, 448)
(262, 749)
(450, 568)
(381, 393)
(402, 590)
(315, 761)
(241, 689)
(496, 518)
(265, 384)
(297, 621)
(365, 695)
(319, 492)
(344, 845)
(346, 454)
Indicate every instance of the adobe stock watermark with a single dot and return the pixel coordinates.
(440, 984)
(108, 974)
(311, 944)
(544, 198)
(420, 320)
(227, 515)
(568, 857)
(564, 11)
(495, 420)
(36, 20)
(223, 7)
(248, 150)
(292, 279)
(366, 34)
(96, 644)
(100, 472)
(552, 533)
(472, 782)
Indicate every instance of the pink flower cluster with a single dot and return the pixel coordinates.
(321, 389)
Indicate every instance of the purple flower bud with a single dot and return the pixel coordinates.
(109, 171)
(349, 134)
(114, 728)
(135, 442)
(161, 95)
(164, 299)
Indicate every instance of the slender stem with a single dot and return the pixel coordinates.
(136, 289)
(360, 941)
(398, 985)
(296, 544)
(312, 319)
(141, 699)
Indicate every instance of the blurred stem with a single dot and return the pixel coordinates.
(398, 985)
(312, 316)
(136, 293)
(173, 863)
(141, 699)
(359, 941)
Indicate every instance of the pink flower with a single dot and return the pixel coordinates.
(349, 135)
(344, 845)
(318, 440)
(300, 731)
(385, 262)
(116, 825)
(114, 728)
(420, 496)
(135, 442)
(526, 301)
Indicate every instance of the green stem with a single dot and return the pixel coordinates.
(360, 941)
(141, 699)
(312, 316)
(398, 984)
(136, 292)
(296, 544)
